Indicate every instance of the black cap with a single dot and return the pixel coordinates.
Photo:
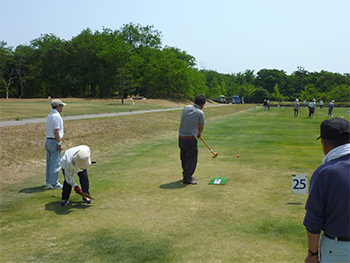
(335, 129)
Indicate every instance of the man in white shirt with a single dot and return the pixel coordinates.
(53, 144)
(76, 160)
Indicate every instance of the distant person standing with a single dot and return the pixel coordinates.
(321, 104)
(191, 126)
(328, 204)
(265, 104)
(312, 106)
(296, 108)
(330, 108)
(53, 144)
(304, 103)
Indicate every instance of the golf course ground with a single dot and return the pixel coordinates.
(141, 211)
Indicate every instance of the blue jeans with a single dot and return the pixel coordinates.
(334, 251)
(53, 161)
(189, 157)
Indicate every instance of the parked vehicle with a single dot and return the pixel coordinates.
(236, 99)
(221, 99)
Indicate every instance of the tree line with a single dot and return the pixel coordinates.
(133, 61)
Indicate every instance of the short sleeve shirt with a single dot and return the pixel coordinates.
(192, 117)
(54, 121)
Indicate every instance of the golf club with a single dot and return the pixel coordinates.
(215, 154)
(85, 195)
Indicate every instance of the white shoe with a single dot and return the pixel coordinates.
(57, 186)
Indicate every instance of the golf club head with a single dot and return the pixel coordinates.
(86, 195)
(215, 155)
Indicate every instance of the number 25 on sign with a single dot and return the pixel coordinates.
(299, 184)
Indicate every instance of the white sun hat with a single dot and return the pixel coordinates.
(82, 159)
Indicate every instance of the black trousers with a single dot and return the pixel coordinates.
(189, 157)
(84, 182)
(311, 111)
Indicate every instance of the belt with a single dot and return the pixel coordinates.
(347, 239)
(50, 138)
(188, 137)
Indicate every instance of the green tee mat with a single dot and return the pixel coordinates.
(218, 180)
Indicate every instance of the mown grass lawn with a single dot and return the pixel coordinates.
(142, 212)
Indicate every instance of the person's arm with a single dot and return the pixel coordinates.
(58, 139)
(69, 177)
(200, 130)
(313, 240)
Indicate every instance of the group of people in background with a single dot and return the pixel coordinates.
(312, 107)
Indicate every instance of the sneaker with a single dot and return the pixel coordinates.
(64, 202)
(57, 186)
(86, 200)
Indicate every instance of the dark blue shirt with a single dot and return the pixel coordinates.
(328, 205)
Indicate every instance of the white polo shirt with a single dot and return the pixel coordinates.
(54, 121)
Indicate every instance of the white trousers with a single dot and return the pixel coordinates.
(334, 250)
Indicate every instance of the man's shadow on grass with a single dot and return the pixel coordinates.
(67, 209)
(173, 185)
(32, 190)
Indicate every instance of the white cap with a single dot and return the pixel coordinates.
(82, 159)
(57, 102)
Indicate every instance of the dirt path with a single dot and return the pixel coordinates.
(92, 116)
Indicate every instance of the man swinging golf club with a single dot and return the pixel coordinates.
(191, 126)
(76, 160)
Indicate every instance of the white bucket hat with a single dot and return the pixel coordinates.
(82, 159)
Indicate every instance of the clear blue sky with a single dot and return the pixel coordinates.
(227, 36)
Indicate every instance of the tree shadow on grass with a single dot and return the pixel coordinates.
(173, 185)
(31, 190)
(67, 209)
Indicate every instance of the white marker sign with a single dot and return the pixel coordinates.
(217, 181)
(299, 184)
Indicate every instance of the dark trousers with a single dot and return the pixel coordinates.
(189, 157)
(311, 111)
(296, 113)
(84, 182)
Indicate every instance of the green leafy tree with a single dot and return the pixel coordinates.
(277, 94)
(7, 67)
(268, 78)
(23, 57)
(249, 91)
(339, 93)
(125, 82)
(138, 36)
(52, 65)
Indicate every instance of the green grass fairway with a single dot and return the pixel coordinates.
(143, 213)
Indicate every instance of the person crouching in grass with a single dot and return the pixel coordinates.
(76, 160)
